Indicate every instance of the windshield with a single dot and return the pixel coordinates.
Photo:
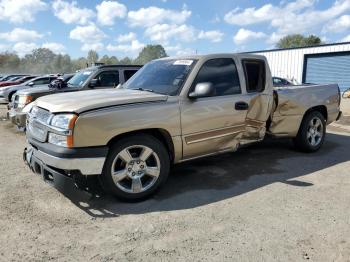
(79, 79)
(161, 76)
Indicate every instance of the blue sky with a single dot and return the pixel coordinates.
(122, 28)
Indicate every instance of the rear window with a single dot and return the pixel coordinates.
(128, 74)
(255, 75)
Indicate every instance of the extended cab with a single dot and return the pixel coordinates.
(97, 77)
(172, 110)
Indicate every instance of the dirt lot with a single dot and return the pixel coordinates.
(263, 203)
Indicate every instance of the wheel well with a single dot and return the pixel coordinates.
(161, 134)
(321, 109)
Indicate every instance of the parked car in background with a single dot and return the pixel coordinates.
(97, 77)
(17, 81)
(23, 97)
(278, 81)
(10, 77)
(172, 110)
(7, 92)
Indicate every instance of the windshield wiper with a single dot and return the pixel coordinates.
(143, 89)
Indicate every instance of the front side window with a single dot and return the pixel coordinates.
(222, 74)
(108, 78)
(255, 75)
(162, 76)
(42, 81)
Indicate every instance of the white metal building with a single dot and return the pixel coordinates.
(324, 64)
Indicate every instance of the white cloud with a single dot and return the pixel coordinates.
(133, 48)
(152, 15)
(69, 13)
(57, 48)
(185, 51)
(214, 36)
(92, 46)
(291, 17)
(90, 36)
(87, 34)
(20, 35)
(23, 48)
(163, 33)
(340, 24)
(108, 11)
(126, 38)
(244, 36)
(21, 11)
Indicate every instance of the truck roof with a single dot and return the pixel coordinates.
(112, 66)
(212, 56)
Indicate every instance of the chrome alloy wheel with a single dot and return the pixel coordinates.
(315, 131)
(135, 169)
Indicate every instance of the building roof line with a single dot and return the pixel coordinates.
(294, 48)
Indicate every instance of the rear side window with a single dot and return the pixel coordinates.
(108, 78)
(128, 74)
(255, 75)
(222, 73)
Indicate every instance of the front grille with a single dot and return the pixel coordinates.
(38, 119)
(40, 114)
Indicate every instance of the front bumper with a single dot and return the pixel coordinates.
(87, 161)
(17, 118)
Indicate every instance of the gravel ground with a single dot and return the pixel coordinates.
(262, 203)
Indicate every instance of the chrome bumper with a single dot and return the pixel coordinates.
(87, 166)
(17, 118)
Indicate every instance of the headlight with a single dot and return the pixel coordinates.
(24, 100)
(63, 121)
(66, 123)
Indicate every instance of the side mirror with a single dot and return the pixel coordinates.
(31, 83)
(202, 90)
(94, 83)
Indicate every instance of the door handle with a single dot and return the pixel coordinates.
(241, 106)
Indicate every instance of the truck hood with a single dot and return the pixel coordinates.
(81, 101)
(35, 90)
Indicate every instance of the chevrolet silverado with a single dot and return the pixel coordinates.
(172, 110)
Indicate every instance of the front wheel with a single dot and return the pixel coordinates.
(311, 133)
(135, 167)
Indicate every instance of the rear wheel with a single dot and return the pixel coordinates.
(311, 133)
(135, 167)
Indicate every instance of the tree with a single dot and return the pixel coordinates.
(298, 40)
(125, 61)
(92, 57)
(150, 52)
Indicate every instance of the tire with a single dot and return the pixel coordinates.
(140, 164)
(311, 133)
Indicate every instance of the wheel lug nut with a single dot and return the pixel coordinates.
(133, 173)
(129, 169)
(138, 162)
(139, 172)
(142, 166)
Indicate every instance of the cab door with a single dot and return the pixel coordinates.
(224, 119)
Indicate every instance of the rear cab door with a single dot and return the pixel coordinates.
(232, 115)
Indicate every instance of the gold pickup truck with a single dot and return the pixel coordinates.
(172, 110)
